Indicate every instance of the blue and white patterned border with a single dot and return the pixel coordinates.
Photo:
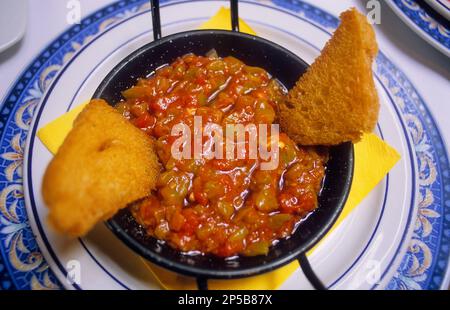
(22, 264)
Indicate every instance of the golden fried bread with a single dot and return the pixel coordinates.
(335, 100)
(104, 164)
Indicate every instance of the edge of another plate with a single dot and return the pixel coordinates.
(20, 26)
(413, 24)
(441, 8)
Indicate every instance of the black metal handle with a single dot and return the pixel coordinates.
(202, 284)
(234, 6)
(156, 17)
(309, 273)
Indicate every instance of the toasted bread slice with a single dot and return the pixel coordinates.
(104, 164)
(335, 100)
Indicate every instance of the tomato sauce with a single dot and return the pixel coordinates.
(219, 206)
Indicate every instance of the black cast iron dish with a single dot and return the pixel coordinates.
(287, 68)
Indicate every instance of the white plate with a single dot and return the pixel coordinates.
(441, 6)
(13, 22)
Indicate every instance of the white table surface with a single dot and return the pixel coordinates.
(427, 68)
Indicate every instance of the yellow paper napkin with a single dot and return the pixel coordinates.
(373, 160)
(54, 133)
(222, 21)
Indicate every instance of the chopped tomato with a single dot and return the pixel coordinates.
(221, 206)
(144, 121)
